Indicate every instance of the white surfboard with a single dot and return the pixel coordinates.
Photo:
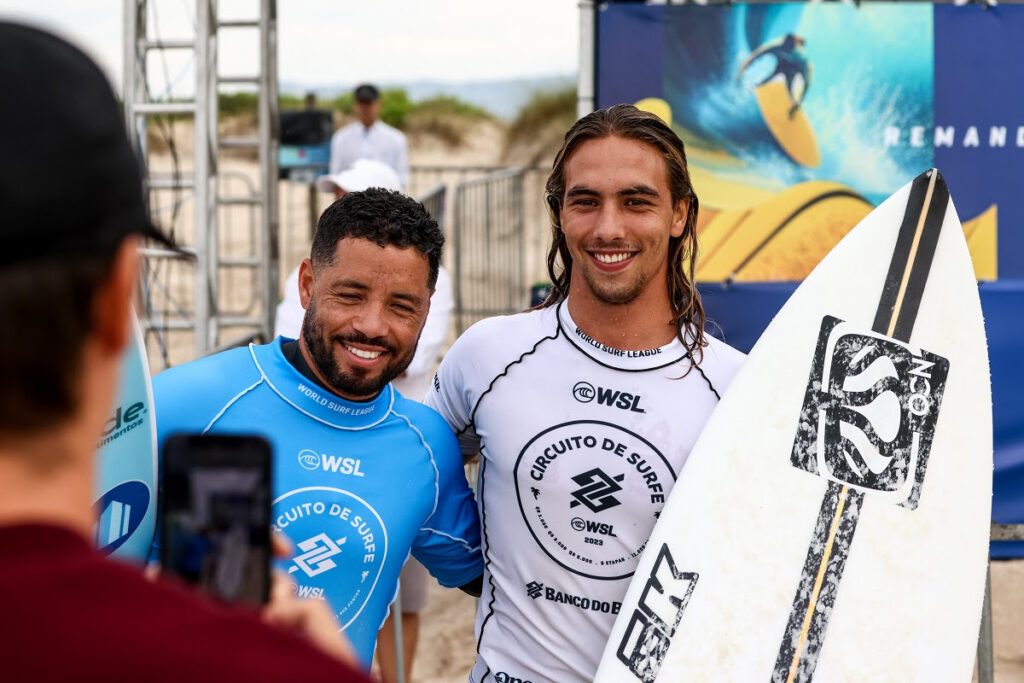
(832, 520)
(126, 462)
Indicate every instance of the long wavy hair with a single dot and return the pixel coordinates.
(626, 121)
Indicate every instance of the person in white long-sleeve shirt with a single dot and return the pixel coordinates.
(370, 138)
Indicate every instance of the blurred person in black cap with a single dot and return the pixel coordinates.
(370, 138)
(68, 268)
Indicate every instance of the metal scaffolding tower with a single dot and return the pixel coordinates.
(203, 305)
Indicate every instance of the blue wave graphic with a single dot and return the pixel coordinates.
(857, 90)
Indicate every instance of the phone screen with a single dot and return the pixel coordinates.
(215, 515)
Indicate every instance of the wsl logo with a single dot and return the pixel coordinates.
(869, 412)
(120, 513)
(649, 633)
(585, 525)
(312, 460)
(596, 489)
(585, 392)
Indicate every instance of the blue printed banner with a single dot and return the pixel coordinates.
(795, 131)
(799, 118)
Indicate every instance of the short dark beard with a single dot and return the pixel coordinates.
(348, 384)
(620, 298)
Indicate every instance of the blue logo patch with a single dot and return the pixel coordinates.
(340, 547)
(120, 512)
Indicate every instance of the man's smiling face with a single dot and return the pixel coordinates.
(364, 314)
(618, 216)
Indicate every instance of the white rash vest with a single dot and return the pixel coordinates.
(580, 444)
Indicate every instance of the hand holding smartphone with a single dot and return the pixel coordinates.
(215, 515)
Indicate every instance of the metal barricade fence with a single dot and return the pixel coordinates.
(425, 179)
(488, 247)
(434, 201)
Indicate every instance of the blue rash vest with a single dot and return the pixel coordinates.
(357, 486)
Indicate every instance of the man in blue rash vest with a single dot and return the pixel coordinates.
(790, 61)
(361, 474)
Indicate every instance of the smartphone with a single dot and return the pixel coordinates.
(215, 515)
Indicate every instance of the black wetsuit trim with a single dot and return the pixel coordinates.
(487, 558)
(606, 365)
(293, 354)
(472, 415)
(706, 379)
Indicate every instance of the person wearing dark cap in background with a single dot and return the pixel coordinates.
(68, 268)
(370, 138)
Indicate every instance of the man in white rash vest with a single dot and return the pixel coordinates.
(584, 411)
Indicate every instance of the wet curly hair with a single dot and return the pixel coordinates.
(382, 216)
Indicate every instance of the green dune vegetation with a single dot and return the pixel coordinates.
(532, 136)
(536, 132)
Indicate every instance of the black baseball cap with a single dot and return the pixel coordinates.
(69, 180)
(366, 93)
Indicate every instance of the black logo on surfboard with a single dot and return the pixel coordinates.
(869, 412)
(656, 617)
(920, 380)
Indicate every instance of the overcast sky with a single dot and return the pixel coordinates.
(344, 41)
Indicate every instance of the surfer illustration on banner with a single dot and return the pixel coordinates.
(790, 63)
(764, 216)
(776, 192)
(780, 96)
